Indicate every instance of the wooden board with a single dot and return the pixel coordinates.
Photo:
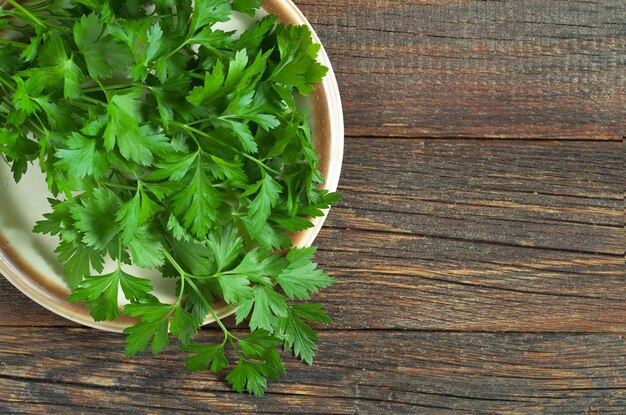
(356, 372)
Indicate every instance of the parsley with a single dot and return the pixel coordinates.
(170, 144)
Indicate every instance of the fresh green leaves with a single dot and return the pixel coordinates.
(135, 212)
(206, 357)
(225, 247)
(302, 276)
(208, 12)
(298, 66)
(251, 375)
(135, 142)
(196, 204)
(267, 192)
(82, 158)
(102, 54)
(152, 329)
(93, 218)
(155, 43)
(248, 7)
(267, 306)
(297, 334)
(100, 292)
(18, 149)
(259, 361)
(174, 146)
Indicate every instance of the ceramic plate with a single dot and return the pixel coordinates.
(28, 261)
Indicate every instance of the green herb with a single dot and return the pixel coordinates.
(170, 144)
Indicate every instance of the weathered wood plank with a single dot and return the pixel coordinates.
(465, 235)
(421, 283)
(477, 68)
(553, 195)
(355, 372)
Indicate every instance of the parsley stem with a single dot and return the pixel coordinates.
(35, 128)
(37, 5)
(50, 16)
(181, 271)
(228, 336)
(106, 93)
(183, 276)
(77, 104)
(204, 277)
(26, 12)
(210, 308)
(188, 128)
(13, 43)
(7, 84)
(260, 163)
(107, 87)
(92, 100)
(43, 127)
(175, 264)
(118, 185)
(182, 45)
(182, 288)
(199, 121)
(186, 277)
(195, 139)
(24, 30)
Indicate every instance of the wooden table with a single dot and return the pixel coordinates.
(479, 247)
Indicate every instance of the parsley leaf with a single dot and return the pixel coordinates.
(197, 203)
(135, 143)
(146, 247)
(298, 66)
(205, 357)
(93, 218)
(136, 212)
(247, 6)
(302, 276)
(209, 12)
(267, 307)
(251, 376)
(102, 53)
(184, 325)
(153, 327)
(226, 246)
(101, 291)
(297, 334)
(267, 192)
(19, 149)
(82, 158)
(78, 259)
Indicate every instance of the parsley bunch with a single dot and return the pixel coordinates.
(170, 144)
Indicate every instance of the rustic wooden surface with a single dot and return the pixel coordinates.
(479, 247)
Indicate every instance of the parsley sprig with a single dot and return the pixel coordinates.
(170, 144)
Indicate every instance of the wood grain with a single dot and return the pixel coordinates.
(477, 68)
(355, 372)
